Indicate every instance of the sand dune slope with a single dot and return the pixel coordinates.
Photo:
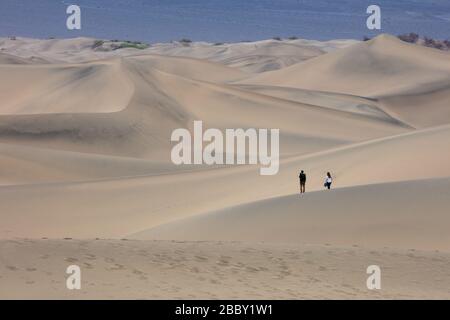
(85, 154)
(72, 50)
(393, 72)
(102, 107)
(128, 107)
(109, 165)
(334, 101)
(11, 59)
(30, 165)
(252, 57)
(121, 206)
(416, 155)
(390, 215)
(424, 107)
(49, 89)
(382, 65)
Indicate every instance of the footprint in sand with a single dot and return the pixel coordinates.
(138, 272)
(71, 259)
(437, 260)
(195, 270)
(312, 279)
(117, 266)
(12, 268)
(90, 256)
(201, 259)
(223, 262)
(251, 269)
(107, 284)
(346, 285)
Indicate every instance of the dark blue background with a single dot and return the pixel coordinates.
(225, 20)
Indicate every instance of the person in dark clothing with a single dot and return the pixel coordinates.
(302, 177)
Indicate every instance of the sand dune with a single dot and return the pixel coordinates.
(167, 93)
(158, 94)
(253, 57)
(11, 59)
(334, 101)
(85, 153)
(54, 50)
(323, 217)
(43, 89)
(143, 200)
(30, 165)
(386, 69)
(383, 65)
(409, 106)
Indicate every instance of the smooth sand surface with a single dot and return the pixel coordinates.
(85, 154)
(399, 75)
(324, 218)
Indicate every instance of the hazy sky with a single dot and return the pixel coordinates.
(225, 20)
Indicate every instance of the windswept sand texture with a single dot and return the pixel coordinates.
(85, 154)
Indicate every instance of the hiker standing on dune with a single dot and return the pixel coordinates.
(302, 177)
(328, 181)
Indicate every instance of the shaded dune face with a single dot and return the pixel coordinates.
(95, 135)
(312, 220)
(128, 107)
(50, 89)
(385, 69)
(371, 68)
